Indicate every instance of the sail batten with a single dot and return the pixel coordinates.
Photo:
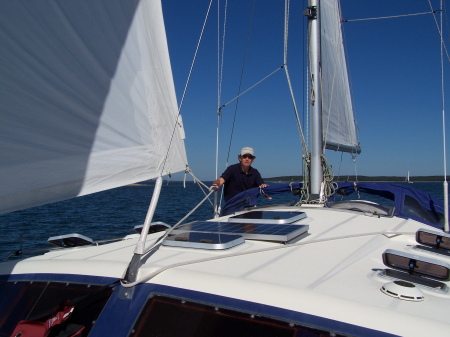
(337, 111)
(87, 105)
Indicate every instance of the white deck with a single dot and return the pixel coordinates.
(337, 263)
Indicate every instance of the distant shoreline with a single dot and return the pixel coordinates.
(287, 179)
(422, 179)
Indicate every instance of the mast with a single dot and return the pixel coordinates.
(316, 172)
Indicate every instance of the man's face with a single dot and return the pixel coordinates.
(246, 159)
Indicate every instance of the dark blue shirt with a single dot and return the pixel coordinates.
(237, 181)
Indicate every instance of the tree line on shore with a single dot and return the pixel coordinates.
(366, 178)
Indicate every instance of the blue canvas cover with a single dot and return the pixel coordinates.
(248, 198)
(409, 202)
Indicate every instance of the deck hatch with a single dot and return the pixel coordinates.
(201, 240)
(253, 231)
(417, 265)
(434, 239)
(268, 217)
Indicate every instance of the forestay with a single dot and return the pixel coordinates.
(337, 111)
(88, 100)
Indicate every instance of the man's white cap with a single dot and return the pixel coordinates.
(247, 150)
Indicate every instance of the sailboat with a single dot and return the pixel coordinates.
(88, 104)
(407, 179)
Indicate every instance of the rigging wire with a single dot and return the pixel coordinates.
(439, 28)
(203, 187)
(220, 62)
(439, 25)
(285, 45)
(297, 118)
(185, 87)
(195, 56)
(432, 11)
(446, 224)
(283, 66)
(250, 88)
(240, 81)
(305, 82)
(308, 96)
(302, 137)
(219, 88)
(140, 245)
(390, 17)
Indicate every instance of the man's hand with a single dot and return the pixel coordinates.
(214, 187)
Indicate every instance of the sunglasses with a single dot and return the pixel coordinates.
(249, 156)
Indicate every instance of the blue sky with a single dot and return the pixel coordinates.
(395, 75)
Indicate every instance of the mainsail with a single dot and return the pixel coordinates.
(88, 100)
(337, 111)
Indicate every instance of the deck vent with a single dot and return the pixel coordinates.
(155, 227)
(417, 265)
(268, 217)
(70, 240)
(403, 291)
(202, 240)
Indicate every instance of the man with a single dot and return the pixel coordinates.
(239, 177)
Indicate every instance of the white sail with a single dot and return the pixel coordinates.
(87, 105)
(337, 111)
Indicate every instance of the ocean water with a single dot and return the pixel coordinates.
(114, 213)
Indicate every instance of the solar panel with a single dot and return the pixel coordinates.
(251, 231)
(203, 240)
(268, 217)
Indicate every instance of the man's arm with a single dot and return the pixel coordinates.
(259, 180)
(217, 184)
